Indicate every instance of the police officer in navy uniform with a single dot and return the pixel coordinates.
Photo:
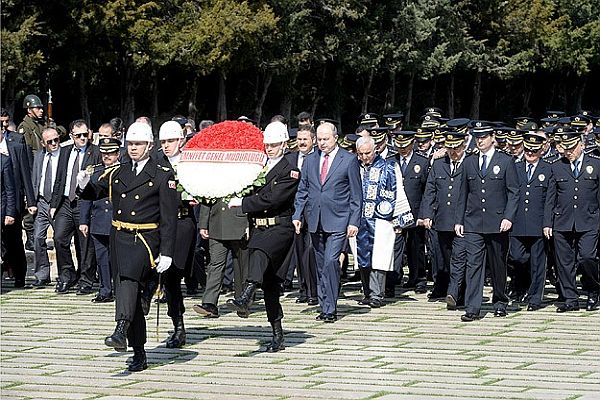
(528, 250)
(572, 217)
(486, 210)
(270, 211)
(142, 239)
(414, 167)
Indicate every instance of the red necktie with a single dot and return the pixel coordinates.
(324, 168)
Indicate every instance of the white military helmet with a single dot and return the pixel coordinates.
(275, 132)
(139, 132)
(170, 130)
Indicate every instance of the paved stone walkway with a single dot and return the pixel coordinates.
(52, 348)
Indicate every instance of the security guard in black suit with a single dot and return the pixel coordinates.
(572, 217)
(270, 211)
(438, 209)
(142, 240)
(486, 209)
(414, 167)
(528, 250)
(171, 140)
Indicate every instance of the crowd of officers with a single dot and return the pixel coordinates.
(488, 201)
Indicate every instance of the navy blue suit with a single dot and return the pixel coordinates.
(485, 200)
(329, 209)
(572, 210)
(528, 250)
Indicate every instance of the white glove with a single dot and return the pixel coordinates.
(83, 178)
(235, 202)
(163, 263)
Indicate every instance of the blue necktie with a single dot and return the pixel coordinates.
(483, 165)
(403, 165)
(576, 169)
(529, 172)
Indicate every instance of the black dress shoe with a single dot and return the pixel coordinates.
(139, 362)
(375, 303)
(450, 302)
(302, 299)
(84, 291)
(329, 318)
(320, 317)
(469, 317)
(312, 301)
(409, 285)
(534, 307)
(40, 283)
(563, 308)
(364, 301)
(593, 302)
(500, 313)
(62, 288)
(103, 299)
(207, 310)
(421, 289)
(19, 283)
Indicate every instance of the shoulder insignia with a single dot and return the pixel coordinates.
(166, 169)
(294, 174)
(474, 150)
(594, 155)
(522, 160)
(419, 153)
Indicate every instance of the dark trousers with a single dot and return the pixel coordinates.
(215, 270)
(494, 248)
(412, 243)
(42, 222)
(580, 246)
(528, 255)
(441, 250)
(261, 271)
(172, 281)
(304, 259)
(328, 247)
(128, 307)
(101, 249)
(197, 275)
(12, 243)
(458, 268)
(66, 226)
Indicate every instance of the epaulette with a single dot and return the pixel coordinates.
(473, 150)
(590, 149)
(419, 153)
(594, 155)
(552, 160)
(522, 160)
(166, 169)
(504, 151)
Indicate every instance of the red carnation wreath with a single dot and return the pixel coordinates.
(222, 161)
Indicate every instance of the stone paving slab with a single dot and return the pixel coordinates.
(51, 347)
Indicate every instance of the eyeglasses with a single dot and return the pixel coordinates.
(52, 141)
(79, 135)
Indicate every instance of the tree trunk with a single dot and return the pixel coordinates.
(366, 93)
(127, 96)
(527, 89)
(476, 96)
(578, 100)
(83, 98)
(288, 97)
(263, 96)
(154, 113)
(433, 92)
(450, 104)
(222, 99)
(339, 98)
(409, 94)
(9, 95)
(390, 101)
(317, 89)
(192, 109)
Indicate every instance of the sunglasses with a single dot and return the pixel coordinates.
(79, 135)
(52, 141)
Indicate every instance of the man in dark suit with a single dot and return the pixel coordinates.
(8, 199)
(303, 255)
(414, 167)
(272, 233)
(330, 199)
(528, 251)
(485, 213)
(24, 203)
(66, 203)
(572, 217)
(44, 173)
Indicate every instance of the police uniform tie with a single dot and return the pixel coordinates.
(576, 168)
(484, 165)
(529, 172)
(135, 164)
(324, 168)
(454, 167)
(74, 172)
(403, 165)
(47, 192)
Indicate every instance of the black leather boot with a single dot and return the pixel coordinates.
(242, 304)
(118, 340)
(277, 340)
(139, 362)
(177, 339)
(593, 302)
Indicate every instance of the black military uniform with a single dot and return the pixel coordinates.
(270, 212)
(144, 226)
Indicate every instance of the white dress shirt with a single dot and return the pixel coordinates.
(332, 154)
(72, 156)
(54, 158)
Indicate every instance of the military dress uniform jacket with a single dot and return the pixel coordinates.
(148, 198)
(486, 200)
(274, 200)
(574, 203)
(31, 130)
(222, 222)
(414, 179)
(442, 191)
(530, 213)
(96, 214)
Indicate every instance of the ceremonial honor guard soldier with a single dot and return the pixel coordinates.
(572, 217)
(31, 127)
(270, 211)
(527, 246)
(142, 239)
(486, 208)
